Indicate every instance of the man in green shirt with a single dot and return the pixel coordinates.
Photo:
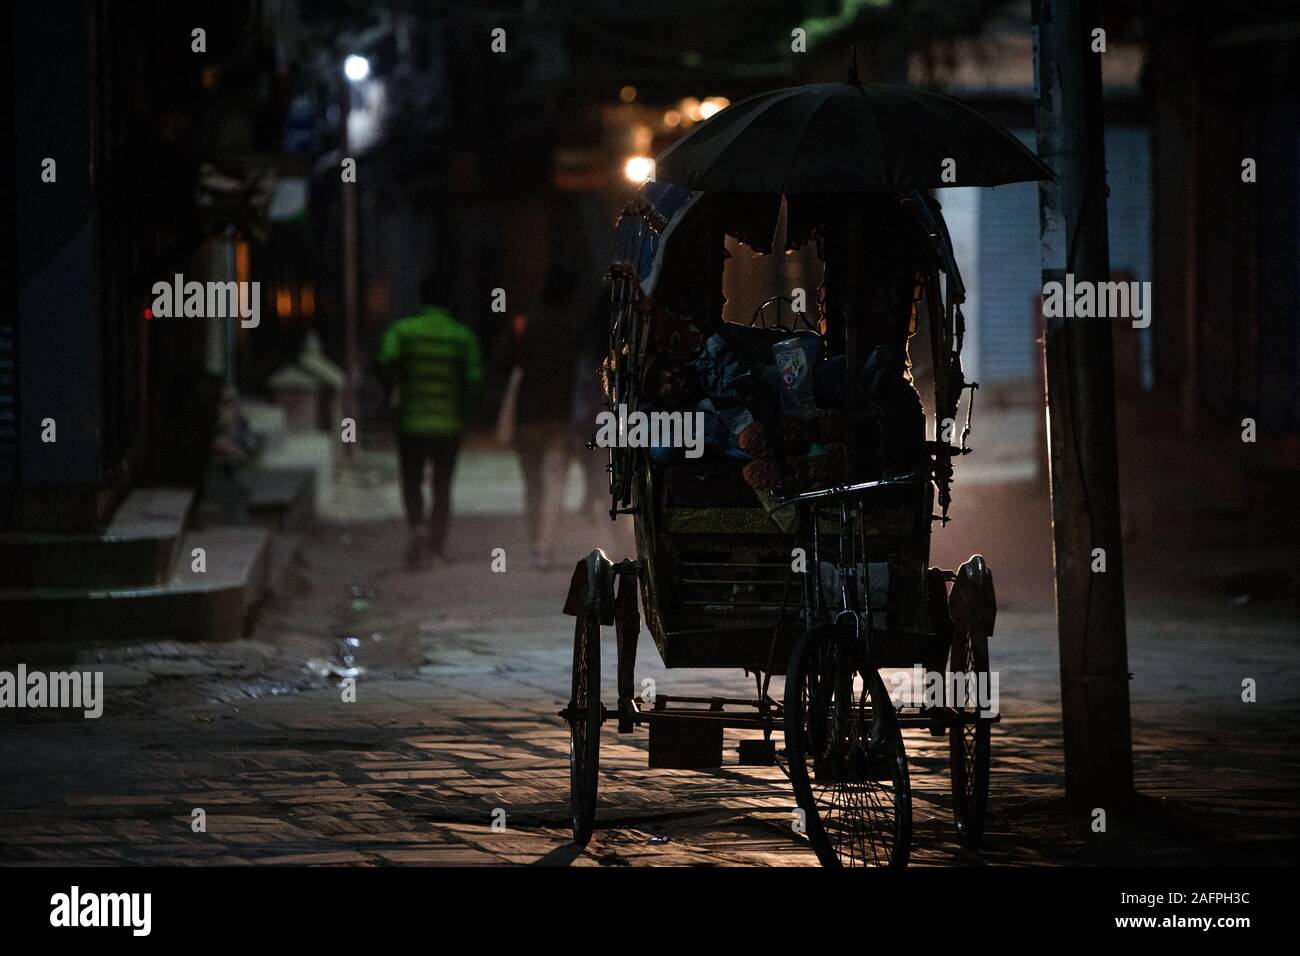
(433, 363)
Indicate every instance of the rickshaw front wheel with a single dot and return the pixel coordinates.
(845, 753)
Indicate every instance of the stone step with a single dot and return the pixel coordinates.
(283, 499)
(212, 605)
(137, 549)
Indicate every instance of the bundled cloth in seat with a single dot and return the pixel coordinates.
(743, 382)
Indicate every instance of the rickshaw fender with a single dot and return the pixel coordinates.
(599, 570)
(973, 602)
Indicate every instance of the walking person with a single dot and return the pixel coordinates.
(541, 346)
(433, 364)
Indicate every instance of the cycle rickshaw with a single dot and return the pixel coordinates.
(719, 586)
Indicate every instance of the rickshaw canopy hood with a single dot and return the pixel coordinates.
(847, 137)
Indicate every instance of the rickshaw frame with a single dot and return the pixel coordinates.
(604, 592)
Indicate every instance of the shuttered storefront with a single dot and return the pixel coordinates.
(1007, 255)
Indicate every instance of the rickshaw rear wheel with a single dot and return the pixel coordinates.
(969, 745)
(585, 715)
(845, 753)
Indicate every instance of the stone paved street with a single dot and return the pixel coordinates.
(463, 671)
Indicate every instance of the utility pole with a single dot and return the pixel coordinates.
(351, 347)
(1081, 410)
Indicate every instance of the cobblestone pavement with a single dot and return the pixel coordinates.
(463, 671)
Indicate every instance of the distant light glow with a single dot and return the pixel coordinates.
(639, 169)
(627, 94)
(713, 105)
(356, 68)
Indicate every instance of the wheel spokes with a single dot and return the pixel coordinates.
(852, 764)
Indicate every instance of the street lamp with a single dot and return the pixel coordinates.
(638, 169)
(356, 68)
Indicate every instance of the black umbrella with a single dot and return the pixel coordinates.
(847, 137)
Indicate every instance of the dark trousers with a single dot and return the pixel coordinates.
(414, 451)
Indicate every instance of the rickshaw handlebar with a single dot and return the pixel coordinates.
(848, 491)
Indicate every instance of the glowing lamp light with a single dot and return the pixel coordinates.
(713, 105)
(639, 169)
(356, 68)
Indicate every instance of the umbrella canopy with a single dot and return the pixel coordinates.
(847, 137)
